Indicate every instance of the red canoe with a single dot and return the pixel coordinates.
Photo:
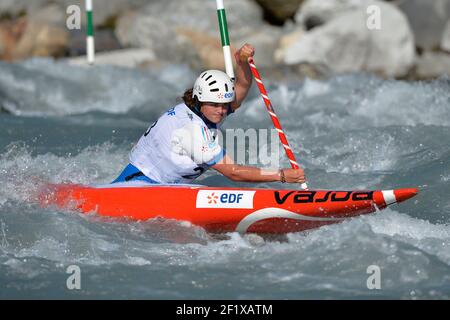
(223, 209)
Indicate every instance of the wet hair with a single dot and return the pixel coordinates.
(191, 102)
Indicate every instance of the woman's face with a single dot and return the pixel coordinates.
(214, 112)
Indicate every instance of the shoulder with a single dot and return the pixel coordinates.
(183, 112)
(176, 110)
(177, 116)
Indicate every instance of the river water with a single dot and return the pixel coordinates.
(64, 123)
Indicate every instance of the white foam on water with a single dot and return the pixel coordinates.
(23, 172)
(312, 88)
(393, 223)
(427, 103)
(47, 88)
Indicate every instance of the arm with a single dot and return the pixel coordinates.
(243, 74)
(237, 172)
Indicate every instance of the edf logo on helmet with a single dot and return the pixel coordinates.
(213, 86)
(228, 95)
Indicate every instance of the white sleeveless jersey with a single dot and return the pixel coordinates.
(177, 148)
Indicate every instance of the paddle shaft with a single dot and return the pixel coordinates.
(274, 117)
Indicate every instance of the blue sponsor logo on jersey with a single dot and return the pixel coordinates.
(171, 112)
(231, 197)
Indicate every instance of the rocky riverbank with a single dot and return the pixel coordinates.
(405, 39)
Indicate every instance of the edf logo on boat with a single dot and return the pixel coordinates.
(225, 199)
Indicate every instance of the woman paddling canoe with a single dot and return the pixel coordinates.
(182, 144)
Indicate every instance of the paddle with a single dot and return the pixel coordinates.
(274, 118)
(223, 27)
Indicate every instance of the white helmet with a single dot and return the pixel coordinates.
(214, 86)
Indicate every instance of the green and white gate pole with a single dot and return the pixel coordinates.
(225, 39)
(90, 44)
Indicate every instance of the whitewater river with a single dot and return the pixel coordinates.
(61, 123)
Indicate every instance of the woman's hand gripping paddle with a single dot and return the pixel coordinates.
(274, 118)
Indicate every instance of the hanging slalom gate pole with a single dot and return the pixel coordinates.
(225, 39)
(274, 118)
(90, 45)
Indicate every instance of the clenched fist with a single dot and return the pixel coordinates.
(292, 175)
(245, 52)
